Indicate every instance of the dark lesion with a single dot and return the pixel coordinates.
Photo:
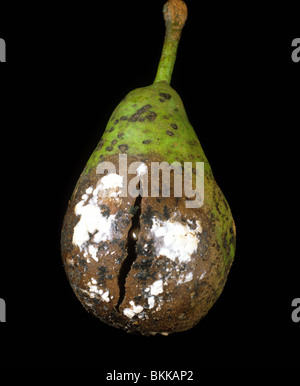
(131, 250)
(92, 234)
(164, 96)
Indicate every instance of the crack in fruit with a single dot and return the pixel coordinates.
(131, 250)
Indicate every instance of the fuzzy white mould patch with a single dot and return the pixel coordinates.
(151, 302)
(185, 278)
(91, 219)
(156, 288)
(175, 240)
(142, 169)
(133, 310)
(93, 289)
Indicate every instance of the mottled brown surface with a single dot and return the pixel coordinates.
(181, 304)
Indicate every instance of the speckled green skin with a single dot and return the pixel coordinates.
(179, 143)
(164, 130)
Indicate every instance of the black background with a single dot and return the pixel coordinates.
(67, 68)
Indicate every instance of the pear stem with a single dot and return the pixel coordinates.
(175, 15)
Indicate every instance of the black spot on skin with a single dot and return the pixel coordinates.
(105, 210)
(170, 133)
(165, 117)
(82, 263)
(123, 118)
(164, 96)
(225, 203)
(133, 118)
(113, 142)
(123, 147)
(147, 141)
(137, 299)
(116, 121)
(166, 213)
(119, 260)
(225, 244)
(143, 109)
(151, 116)
(161, 99)
(91, 234)
(122, 220)
(120, 135)
(84, 299)
(144, 275)
(144, 264)
(111, 129)
(100, 145)
(109, 148)
(176, 109)
(192, 142)
(102, 275)
(193, 225)
(174, 126)
(96, 303)
(137, 115)
(232, 240)
(147, 216)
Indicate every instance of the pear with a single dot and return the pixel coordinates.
(139, 252)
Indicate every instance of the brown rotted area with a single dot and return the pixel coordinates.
(181, 305)
(129, 278)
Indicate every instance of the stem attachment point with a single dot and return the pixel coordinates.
(175, 15)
